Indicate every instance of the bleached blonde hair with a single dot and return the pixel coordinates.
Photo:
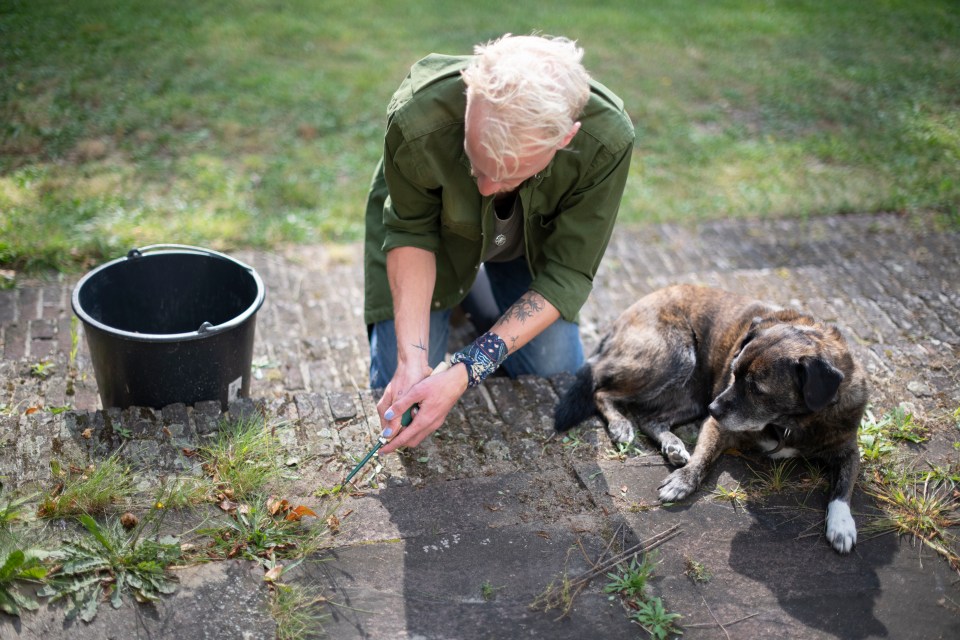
(534, 88)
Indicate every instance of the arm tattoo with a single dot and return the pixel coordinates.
(419, 346)
(530, 304)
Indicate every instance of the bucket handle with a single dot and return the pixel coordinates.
(136, 253)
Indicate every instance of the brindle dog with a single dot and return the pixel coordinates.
(763, 377)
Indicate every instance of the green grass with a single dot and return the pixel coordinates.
(95, 490)
(242, 460)
(297, 612)
(243, 123)
(924, 509)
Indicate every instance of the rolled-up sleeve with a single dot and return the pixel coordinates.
(575, 237)
(411, 214)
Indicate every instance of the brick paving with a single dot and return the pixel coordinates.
(890, 282)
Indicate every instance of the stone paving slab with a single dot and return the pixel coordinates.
(431, 586)
(890, 283)
(217, 601)
(768, 559)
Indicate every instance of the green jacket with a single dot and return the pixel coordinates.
(422, 195)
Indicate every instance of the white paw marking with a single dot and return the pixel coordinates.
(786, 452)
(841, 529)
(676, 453)
(677, 486)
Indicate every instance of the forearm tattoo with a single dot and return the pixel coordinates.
(529, 305)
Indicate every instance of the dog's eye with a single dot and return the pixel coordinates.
(756, 387)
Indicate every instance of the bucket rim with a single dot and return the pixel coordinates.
(204, 331)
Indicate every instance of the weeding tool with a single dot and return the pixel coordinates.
(405, 420)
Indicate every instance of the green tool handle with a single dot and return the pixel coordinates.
(405, 419)
(366, 458)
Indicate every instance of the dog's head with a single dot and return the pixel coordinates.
(781, 370)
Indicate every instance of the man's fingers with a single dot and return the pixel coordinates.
(400, 439)
(406, 437)
(401, 410)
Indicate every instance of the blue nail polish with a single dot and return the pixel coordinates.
(389, 414)
(387, 432)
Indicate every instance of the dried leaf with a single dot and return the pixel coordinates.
(273, 574)
(166, 432)
(31, 410)
(129, 520)
(190, 453)
(275, 505)
(301, 511)
(333, 523)
(229, 505)
(86, 433)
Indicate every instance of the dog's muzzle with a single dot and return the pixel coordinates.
(718, 409)
(729, 414)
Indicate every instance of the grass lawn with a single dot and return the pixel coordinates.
(253, 123)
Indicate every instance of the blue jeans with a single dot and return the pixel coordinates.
(557, 349)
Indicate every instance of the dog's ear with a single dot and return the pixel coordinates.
(751, 333)
(819, 381)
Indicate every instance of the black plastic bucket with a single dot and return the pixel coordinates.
(168, 324)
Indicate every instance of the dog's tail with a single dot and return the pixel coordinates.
(577, 403)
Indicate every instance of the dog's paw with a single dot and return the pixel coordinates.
(678, 485)
(675, 452)
(622, 431)
(841, 529)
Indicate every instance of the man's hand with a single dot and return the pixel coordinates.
(405, 377)
(435, 396)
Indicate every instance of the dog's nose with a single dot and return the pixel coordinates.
(715, 410)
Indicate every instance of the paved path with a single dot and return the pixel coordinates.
(489, 500)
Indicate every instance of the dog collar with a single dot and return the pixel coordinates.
(782, 434)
